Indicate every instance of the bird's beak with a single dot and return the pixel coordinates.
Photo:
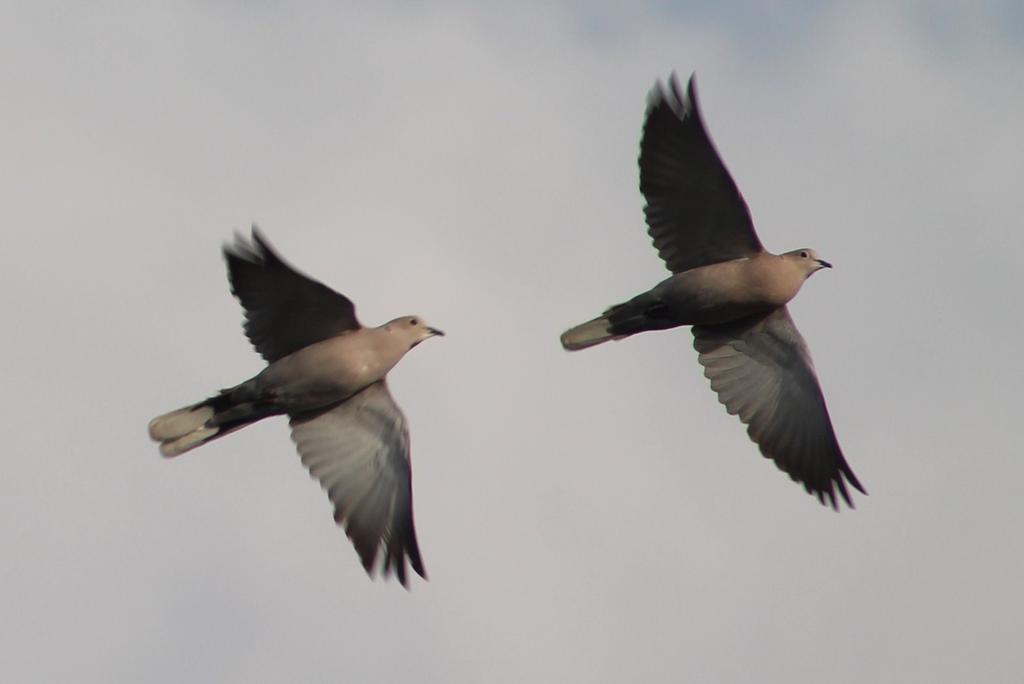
(435, 331)
(824, 264)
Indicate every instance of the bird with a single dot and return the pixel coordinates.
(732, 292)
(327, 373)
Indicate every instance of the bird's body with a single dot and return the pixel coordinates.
(327, 373)
(705, 295)
(734, 294)
(725, 291)
(311, 378)
(336, 368)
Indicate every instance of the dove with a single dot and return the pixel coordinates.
(732, 292)
(327, 373)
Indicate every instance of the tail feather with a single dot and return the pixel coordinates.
(646, 311)
(187, 428)
(588, 334)
(180, 445)
(175, 424)
(184, 429)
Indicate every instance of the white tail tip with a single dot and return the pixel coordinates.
(189, 441)
(175, 424)
(587, 334)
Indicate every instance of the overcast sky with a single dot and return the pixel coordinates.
(590, 517)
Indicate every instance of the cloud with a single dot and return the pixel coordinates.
(583, 517)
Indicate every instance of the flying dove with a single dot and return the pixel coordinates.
(734, 294)
(326, 372)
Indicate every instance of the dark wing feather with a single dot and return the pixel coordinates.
(762, 371)
(695, 214)
(284, 309)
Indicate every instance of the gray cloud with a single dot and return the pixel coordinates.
(595, 517)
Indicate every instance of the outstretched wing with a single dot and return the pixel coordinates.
(359, 451)
(284, 309)
(695, 214)
(762, 371)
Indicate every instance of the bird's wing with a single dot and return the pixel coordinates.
(284, 309)
(762, 371)
(695, 214)
(359, 451)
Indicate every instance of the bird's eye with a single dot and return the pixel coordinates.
(803, 254)
(414, 322)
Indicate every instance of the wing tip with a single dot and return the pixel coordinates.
(240, 250)
(400, 562)
(395, 555)
(255, 249)
(267, 251)
(682, 103)
(838, 480)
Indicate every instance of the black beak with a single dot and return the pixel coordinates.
(824, 264)
(435, 331)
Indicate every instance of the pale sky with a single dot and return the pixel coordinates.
(589, 517)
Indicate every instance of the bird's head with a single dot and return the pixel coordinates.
(806, 260)
(412, 329)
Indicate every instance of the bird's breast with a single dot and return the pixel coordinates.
(730, 290)
(329, 371)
